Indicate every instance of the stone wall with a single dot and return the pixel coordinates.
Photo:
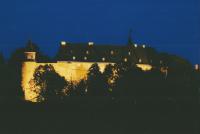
(71, 71)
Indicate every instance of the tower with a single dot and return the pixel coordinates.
(28, 68)
(30, 52)
(130, 41)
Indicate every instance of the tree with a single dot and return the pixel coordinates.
(79, 89)
(13, 74)
(51, 85)
(95, 82)
(129, 79)
(110, 77)
(2, 75)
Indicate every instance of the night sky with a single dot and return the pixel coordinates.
(171, 26)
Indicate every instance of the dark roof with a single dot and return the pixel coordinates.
(110, 53)
(31, 47)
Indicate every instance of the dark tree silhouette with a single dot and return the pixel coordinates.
(3, 88)
(51, 84)
(79, 89)
(129, 79)
(110, 76)
(96, 83)
(13, 74)
(13, 70)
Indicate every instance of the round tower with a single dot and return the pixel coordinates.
(28, 68)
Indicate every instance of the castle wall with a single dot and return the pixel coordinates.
(71, 71)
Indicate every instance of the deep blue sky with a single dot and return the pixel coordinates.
(168, 25)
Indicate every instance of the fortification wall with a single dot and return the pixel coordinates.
(71, 71)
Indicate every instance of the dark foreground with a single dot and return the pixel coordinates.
(101, 116)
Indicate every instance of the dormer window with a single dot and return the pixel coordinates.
(135, 45)
(90, 43)
(63, 43)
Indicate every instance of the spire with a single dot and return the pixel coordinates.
(30, 46)
(130, 41)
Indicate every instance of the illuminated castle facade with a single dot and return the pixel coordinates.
(73, 61)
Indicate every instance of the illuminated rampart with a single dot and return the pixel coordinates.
(71, 71)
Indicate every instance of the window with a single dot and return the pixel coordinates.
(125, 59)
(140, 60)
(111, 52)
(63, 43)
(90, 43)
(85, 58)
(129, 53)
(87, 52)
(143, 46)
(135, 45)
(103, 59)
(74, 58)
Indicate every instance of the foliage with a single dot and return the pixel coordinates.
(51, 84)
(96, 84)
(124, 79)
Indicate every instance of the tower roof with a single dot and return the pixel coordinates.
(30, 47)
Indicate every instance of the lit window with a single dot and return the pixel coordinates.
(135, 45)
(140, 60)
(129, 53)
(196, 67)
(90, 43)
(85, 58)
(103, 59)
(30, 57)
(161, 61)
(63, 43)
(143, 46)
(111, 52)
(125, 59)
(87, 52)
(74, 57)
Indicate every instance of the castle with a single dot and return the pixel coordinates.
(73, 61)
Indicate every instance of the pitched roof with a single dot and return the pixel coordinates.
(105, 53)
